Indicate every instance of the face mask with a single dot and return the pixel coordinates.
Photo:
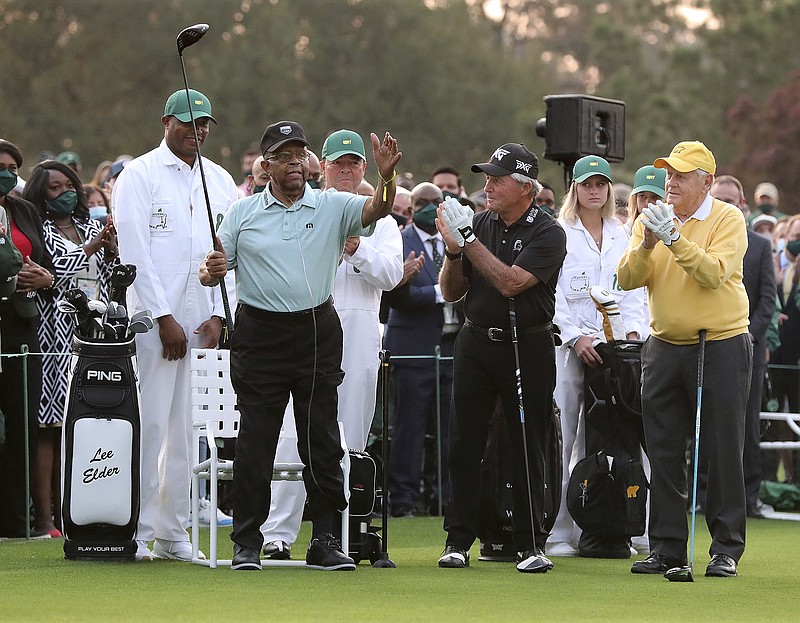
(97, 212)
(793, 247)
(780, 245)
(766, 208)
(313, 183)
(8, 182)
(64, 204)
(425, 218)
(258, 189)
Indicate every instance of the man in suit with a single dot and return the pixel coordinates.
(759, 281)
(419, 321)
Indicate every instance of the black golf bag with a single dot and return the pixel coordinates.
(607, 492)
(365, 499)
(496, 489)
(101, 451)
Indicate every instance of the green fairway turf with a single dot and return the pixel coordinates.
(39, 585)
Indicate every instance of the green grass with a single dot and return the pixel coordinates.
(39, 585)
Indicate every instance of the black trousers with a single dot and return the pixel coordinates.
(14, 504)
(483, 371)
(274, 356)
(669, 407)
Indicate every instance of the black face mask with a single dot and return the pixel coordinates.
(766, 208)
(313, 183)
(258, 189)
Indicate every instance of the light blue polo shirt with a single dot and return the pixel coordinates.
(285, 259)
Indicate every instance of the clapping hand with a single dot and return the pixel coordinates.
(658, 218)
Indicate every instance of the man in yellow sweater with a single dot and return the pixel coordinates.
(688, 253)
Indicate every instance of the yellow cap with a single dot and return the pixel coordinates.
(688, 156)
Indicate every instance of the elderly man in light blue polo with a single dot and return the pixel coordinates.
(285, 245)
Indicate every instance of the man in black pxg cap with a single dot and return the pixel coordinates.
(505, 260)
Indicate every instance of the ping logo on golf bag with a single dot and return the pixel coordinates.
(113, 376)
(101, 374)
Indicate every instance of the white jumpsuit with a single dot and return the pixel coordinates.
(377, 265)
(584, 266)
(162, 223)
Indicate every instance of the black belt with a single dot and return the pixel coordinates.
(296, 316)
(495, 334)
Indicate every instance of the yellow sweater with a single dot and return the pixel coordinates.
(696, 283)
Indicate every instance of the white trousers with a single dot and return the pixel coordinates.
(569, 398)
(361, 345)
(166, 426)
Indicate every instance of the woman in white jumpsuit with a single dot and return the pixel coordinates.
(595, 243)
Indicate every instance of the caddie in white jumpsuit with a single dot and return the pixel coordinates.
(369, 266)
(595, 242)
(163, 228)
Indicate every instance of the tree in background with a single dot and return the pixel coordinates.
(450, 78)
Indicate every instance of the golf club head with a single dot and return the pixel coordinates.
(97, 307)
(680, 574)
(65, 307)
(145, 313)
(78, 299)
(109, 332)
(139, 326)
(190, 36)
(122, 276)
(116, 311)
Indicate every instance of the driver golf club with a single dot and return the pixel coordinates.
(534, 563)
(685, 574)
(122, 276)
(187, 37)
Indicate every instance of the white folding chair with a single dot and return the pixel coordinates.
(215, 416)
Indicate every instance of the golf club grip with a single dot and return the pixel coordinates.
(701, 356)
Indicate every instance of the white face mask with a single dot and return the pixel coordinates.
(97, 212)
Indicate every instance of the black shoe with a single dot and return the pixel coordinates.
(533, 561)
(245, 559)
(325, 552)
(656, 563)
(453, 557)
(402, 510)
(721, 566)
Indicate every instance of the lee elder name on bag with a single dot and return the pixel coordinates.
(95, 473)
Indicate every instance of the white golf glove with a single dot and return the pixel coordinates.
(658, 218)
(458, 219)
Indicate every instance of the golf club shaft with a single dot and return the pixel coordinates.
(228, 328)
(385, 355)
(512, 316)
(701, 345)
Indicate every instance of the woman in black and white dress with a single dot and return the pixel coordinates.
(83, 253)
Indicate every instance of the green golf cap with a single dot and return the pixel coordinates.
(650, 179)
(341, 143)
(177, 107)
(590, 165)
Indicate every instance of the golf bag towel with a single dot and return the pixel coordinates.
(100, 452)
